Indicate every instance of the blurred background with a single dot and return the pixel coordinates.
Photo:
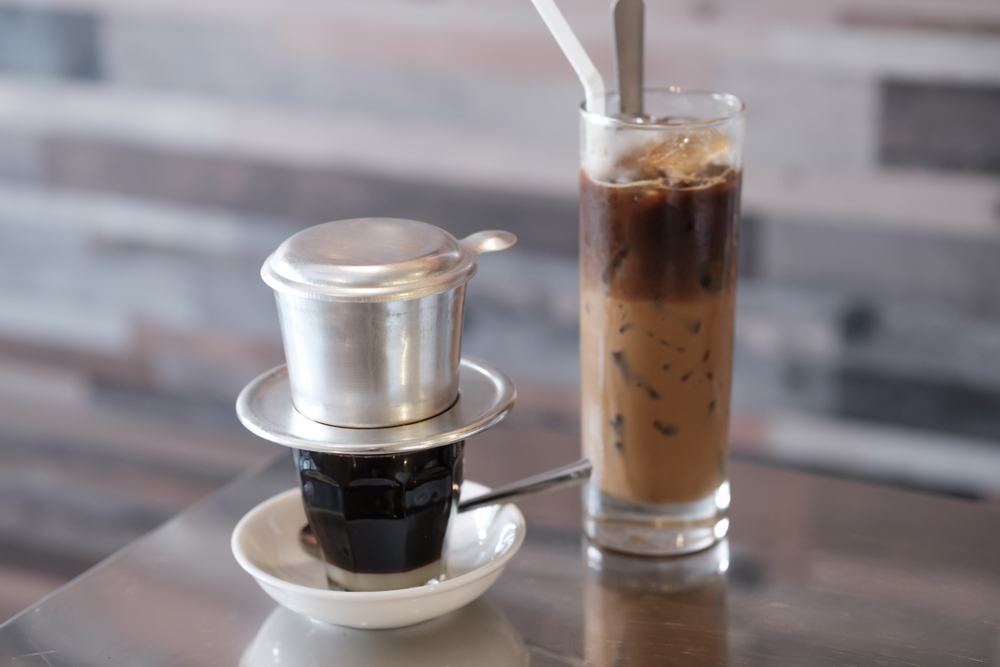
(153, 153)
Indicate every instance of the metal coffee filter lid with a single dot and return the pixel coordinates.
(376, 259)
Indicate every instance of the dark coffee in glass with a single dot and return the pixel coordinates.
(381, 522)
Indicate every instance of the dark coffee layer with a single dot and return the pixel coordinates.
(647, 241)
(380, 514)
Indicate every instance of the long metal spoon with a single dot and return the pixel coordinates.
(628, 18)
(574, 474)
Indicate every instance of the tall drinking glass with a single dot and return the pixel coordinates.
(660, 199)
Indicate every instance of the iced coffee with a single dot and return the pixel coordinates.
(659, 235)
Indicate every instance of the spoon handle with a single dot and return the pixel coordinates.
(628, 20)
(573, 474)
(490, 240)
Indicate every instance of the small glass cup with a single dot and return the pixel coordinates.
(381, 521)
(660, 200)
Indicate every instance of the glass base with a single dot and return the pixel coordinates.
(665, 575)
(655, 530)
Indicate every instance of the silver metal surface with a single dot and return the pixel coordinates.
(628, 17)
(574, 474)
(371, 317)
(817, 571)
(371, 364)
(486, 395)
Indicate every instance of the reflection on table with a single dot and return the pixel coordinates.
(477, 634)
(647, 611)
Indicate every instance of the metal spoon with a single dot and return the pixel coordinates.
(574, 474)
(628, 17)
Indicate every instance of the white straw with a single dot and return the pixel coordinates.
(593, 84)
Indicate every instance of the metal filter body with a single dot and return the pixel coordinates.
(371, 317)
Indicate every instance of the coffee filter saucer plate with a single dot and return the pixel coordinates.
(485, 396)
(480, 543)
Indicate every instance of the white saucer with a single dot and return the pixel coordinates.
(266, 544)
(485, 396)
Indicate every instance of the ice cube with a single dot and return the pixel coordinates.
(687, 156)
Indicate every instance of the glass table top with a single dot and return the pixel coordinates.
(815, 571)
